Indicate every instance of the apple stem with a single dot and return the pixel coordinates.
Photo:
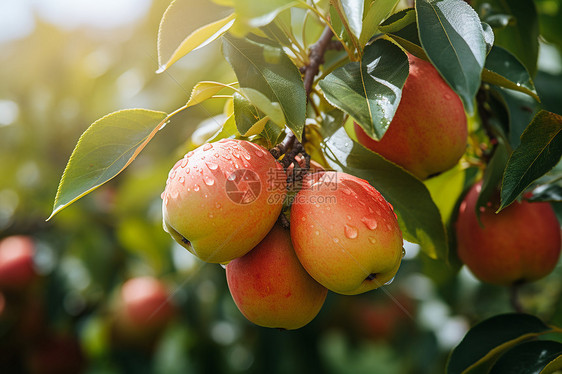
(514, 297)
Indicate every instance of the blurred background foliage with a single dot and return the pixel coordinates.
(64, 66)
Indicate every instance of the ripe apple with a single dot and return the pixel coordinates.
(345, 234)
(143, 307)
(270, 286)
(428, 133)
(16, 263)
(222, 199)
(519, 244)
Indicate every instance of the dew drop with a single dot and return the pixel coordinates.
(317, 232)
(370, 222)
(447, 97)
(259, 153)
(216, 155)
(177, 165)
(174, 194)
(346, 191)
(162, 195)
(196, 187)
(372, 239)
(212, 166)
(181, 180)
(189, 154)
(235, 153)
(227, 156)
(206, 196)
(186, 170)
(211, 215)
(350, 231)
(218, 205)
(388, 227)
(389, 282)
(172, 174)
(207, 146)
(184, 162)
(348, 216)
(247, 156)
(166, 200)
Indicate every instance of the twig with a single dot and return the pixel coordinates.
(316, 58)
(282, 148)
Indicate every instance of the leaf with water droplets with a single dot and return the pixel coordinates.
(104, 150)
(369, 90)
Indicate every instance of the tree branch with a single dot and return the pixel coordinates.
(316, 58)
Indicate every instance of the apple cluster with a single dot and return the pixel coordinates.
(222, 202)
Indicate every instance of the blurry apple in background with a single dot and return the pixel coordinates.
(519, 244)
(143, 309)
(16, 263)
(428, 133)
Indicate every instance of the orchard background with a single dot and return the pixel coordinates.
(66, 64)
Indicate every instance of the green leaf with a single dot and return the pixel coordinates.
(264, 67)
(547, 192)
(256, 13)
(353, 12)
(273, 110)
(177, 36)
(451, 35)
(377, 12)
(419, 218)
(445, 190)
(369, 90)
(227, 130)
(105, 149)
(492, 176)
(204, 90)
(503, 69)
(486, 341)
(538, 153)
(245, 113)
(553, 367)
(520, 36)
(528, 358)
(402, 28)
(488, 36)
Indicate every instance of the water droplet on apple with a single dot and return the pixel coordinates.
(207, 146)
(348, 216)
(259, 153)
(372, 239)
(216, 155)
(247, 156)
(162, 195)
(211, 215)
(184, 162)
(350, 231)
(177, 165)
(186, 170)
(196, 187)
(181, 180)
(370, 222)
(208, 180)
(189, 154)
(212, 165)
(317, 232)
(389, 282)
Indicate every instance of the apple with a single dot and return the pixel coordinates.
(270, 286)
(428, 133)
(222, 199)
(345, 233)
(521, 243)
(143, 306)
(16, 262)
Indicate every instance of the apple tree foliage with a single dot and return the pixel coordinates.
(310, 68)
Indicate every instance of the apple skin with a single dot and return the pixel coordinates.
(345, 234)
(203, 216)
(270, 286)
(519, 244)
(16, 263)
(143, 308)
(428, 133)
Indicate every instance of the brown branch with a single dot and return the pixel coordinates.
(316, 58)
